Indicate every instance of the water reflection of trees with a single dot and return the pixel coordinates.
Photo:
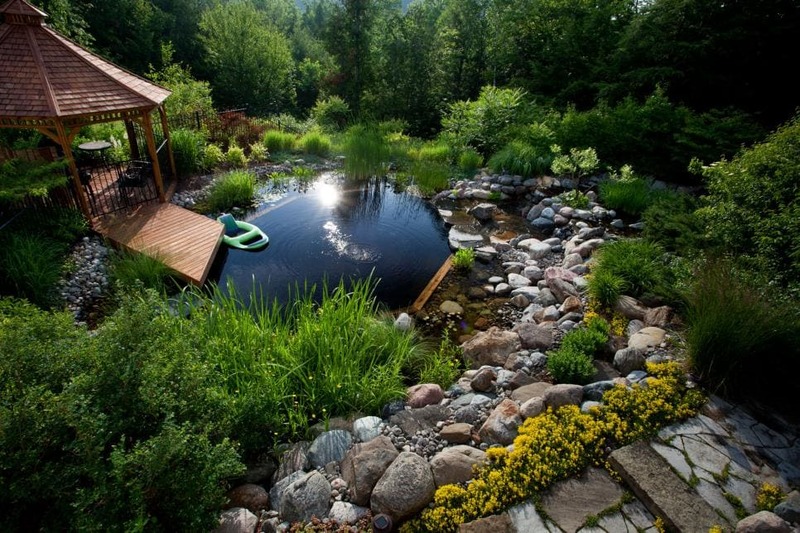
(364, 200)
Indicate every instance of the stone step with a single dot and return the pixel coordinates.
(665, 494)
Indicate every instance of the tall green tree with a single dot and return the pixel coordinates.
(250, 59)
(555, 48)
(68, 18)
(710, 54)
(459, 60)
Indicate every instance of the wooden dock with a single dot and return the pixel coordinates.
(185, 241)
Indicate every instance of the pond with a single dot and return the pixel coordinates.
(330, 229)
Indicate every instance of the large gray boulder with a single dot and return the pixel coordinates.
(405, 488)
(306, 498)
(329, 447)
(364, 465)
(533, 336)
(629, 359)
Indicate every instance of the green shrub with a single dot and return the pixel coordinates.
(258, 152)
(234, 189)
(464, 259)
(572, 362)
(627, 193)
(187, 146)
(671, 222)
(575, 199)
(738, 333)
(315, 143)
(567, 365)
(522, 159)
(133, 270)
(111, 429)
(639, 263)
(235, 156)
(470, 160)
(487, 123)
(430, 177)
(605, 287)
(279, 141)
(574, 165)
(19, 178)
(366, 150)
(212, 156)
(752, 209)
(331, 113)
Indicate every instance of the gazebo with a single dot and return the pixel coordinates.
(51, 84)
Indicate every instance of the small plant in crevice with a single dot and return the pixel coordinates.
(575, 199)
(769, 496)
(464, 259)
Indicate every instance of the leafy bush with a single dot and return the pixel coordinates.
(187, 146)
(627, 192)
(738, 333)
(331, 113)
(279, 141)
(212, 157)
(235, 156)
(315, 143)
(572, 362)
(234, 189)
(366, 150)
(470, 160)
(521, 158)
(464, 259)
(568, 365)
(112, 429)
(575, 199)
(487, 123)
(19, 178)
(671, 222)
(258, 152)
(290, 124)
(752, 209)
(576, 164)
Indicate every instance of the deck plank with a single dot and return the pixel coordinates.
(186, 241)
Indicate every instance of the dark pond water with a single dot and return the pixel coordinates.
(331, 229)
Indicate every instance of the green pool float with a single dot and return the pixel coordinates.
(242, 235)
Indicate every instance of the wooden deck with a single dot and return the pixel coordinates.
(184, 240)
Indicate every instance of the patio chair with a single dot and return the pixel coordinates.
(135, 175)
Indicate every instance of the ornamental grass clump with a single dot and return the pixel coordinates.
(234, 189)
(572, 362)
(559, 444)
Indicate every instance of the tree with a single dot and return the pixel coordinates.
(555, 48)
(251, 61)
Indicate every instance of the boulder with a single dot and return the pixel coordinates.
(630, 308)
(563, 394)
(329, 447)
(526, 392)
(347, 513)
(658, 316)
(403, 322)
(415, 420)
(491, 347)
(533, 407)
(364, 465)
(562, 289)
(645, 338)
(237, 520)
(484, 211)
(458, 433)
(405, 488)
(424, 394)
(629, 359)
(293, 460)
(367, 428)
(501, 426)
(252, 497)
(533, 336)
(451, 308)
(763, 522)
(454, 465)
(483, 381)
(306, 498)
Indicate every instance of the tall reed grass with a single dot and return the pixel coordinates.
(234, 189)
(739, 339)
(279, 141)
(134, 270)
(315, 143)
(30, 267)
(632, 197)
(289, 367)
(366, 152)
(187, 145)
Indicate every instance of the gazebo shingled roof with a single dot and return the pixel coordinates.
(50, 83)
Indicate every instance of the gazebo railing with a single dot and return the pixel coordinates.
(116, 186)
